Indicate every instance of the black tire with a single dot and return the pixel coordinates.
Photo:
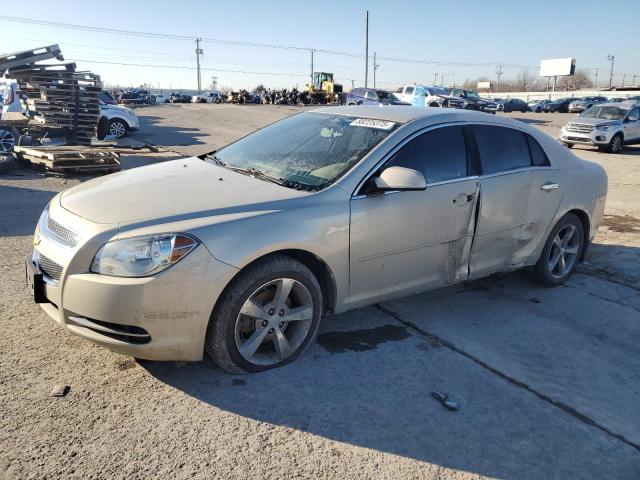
(220, 341)
(7, 164)
(569, 145)
(616, 144)
(543, 272)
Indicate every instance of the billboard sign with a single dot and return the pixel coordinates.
(557, 67)
(484, 85)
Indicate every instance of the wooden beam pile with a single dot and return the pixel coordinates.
(67, 158)
(57, 95)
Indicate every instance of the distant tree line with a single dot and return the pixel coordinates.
(527, 81)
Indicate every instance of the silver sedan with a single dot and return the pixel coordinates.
(240, 253)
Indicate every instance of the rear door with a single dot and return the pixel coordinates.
(519, 195)
(405, 242)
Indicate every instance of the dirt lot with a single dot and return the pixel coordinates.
(547, 379)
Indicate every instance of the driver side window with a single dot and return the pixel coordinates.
(438, 154)
(634, 115)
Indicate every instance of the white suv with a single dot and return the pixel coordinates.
(121, 119)
(608, 126)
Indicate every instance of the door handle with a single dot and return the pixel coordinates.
(463, 198)
(547, 187)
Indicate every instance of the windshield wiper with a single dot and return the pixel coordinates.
(252, 172)
(214, 159)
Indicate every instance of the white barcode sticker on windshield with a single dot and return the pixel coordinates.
(371, 123)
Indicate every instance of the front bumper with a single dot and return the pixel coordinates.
(161, 317)
(596, 137)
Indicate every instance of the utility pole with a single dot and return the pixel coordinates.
(595, 79)
(366, 50)
(198, 53)
(499, 75)
(624, 76)
(435, 79)
(353, 84)
(214, 83)
(611, 58)
(375, 67)
(311, 83)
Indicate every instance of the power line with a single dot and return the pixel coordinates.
(169, 36)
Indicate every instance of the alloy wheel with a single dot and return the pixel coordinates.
(7, 141)
(616, 144)
(564, 251)
(274, 322)
(117, 129)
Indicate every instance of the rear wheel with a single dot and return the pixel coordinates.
(266, 317)
(561, 251)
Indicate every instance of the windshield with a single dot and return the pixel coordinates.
(604, 113)
(306, 151)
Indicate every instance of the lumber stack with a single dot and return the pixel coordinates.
(68, 158)
(57, 96)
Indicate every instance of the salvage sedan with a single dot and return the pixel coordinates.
(242, 252)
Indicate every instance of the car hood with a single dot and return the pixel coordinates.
(593, 121)
(174, 190)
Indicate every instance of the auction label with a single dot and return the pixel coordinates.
(371, 123)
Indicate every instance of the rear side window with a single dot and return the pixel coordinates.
(501, 149)
(538, 157)
(371, 95)
(438, 154)
(408, 90)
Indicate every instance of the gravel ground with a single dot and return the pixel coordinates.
(547, 379)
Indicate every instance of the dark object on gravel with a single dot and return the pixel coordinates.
(443, 398)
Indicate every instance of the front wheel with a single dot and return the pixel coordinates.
(266, 317)
(561, 252)
(118, 128)
(615, 145)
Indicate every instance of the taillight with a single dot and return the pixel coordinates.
(9, 96)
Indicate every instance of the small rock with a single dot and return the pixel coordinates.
(60, 390)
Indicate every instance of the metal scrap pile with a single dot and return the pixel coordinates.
(57, 96)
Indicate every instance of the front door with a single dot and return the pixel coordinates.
(405, 242)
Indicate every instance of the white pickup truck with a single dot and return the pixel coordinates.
(423, 96)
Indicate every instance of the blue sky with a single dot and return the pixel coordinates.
(463, 32)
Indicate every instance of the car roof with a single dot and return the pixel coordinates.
(406, 114)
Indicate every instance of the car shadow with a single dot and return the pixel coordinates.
(532, 121)
(368, 379)
(154, 131)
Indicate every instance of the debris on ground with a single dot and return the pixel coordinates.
(443, 398)
(60, 390)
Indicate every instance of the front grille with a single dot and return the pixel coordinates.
(579, 128)
(67, 236)
(49, 267)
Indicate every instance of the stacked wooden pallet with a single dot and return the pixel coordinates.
(59, 97)
(67, 158)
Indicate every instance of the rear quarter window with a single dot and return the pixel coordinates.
(501, 148)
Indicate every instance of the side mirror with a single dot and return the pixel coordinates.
(400, 178)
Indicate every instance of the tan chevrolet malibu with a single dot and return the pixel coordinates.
(241, 252)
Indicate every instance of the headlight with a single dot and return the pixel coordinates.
(142, 256)
(604, 128)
